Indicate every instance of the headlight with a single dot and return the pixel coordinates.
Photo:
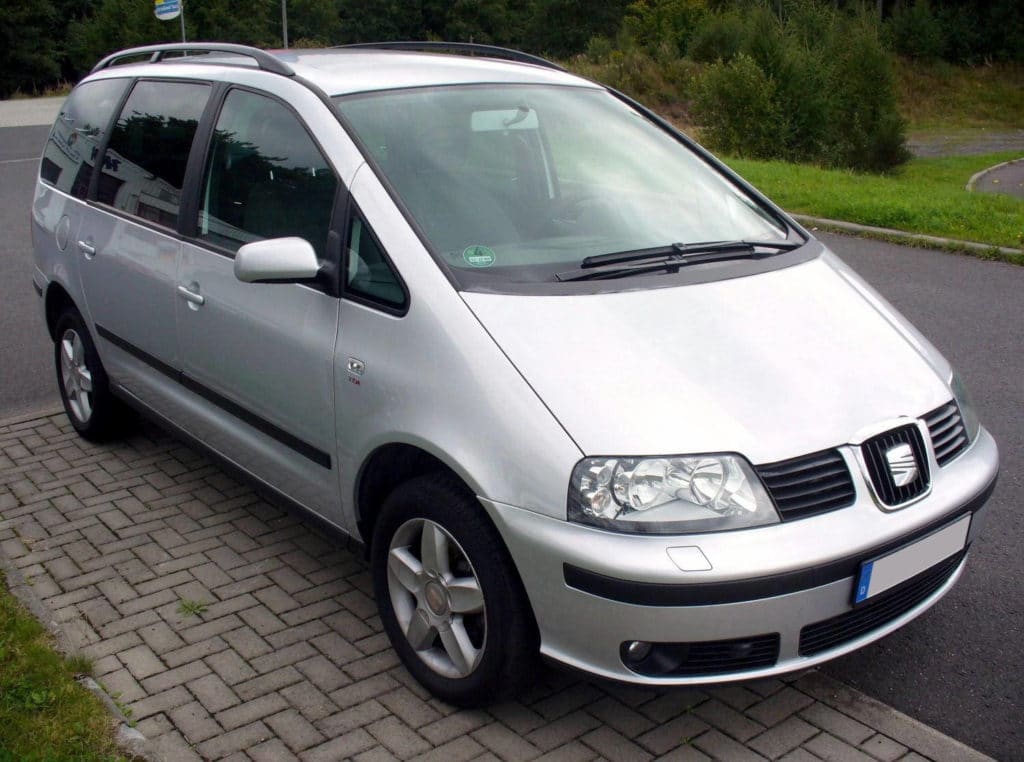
(672, 495)
(967, 412)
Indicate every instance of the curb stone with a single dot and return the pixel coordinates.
(978, 175)
(131, 741)
(329, 685)
(983, 250)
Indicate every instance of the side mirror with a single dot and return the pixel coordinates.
(276, 260)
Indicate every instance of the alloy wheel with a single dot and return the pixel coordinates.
(76, 376)
(436, 597)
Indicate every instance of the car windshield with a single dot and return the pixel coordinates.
(516, 182)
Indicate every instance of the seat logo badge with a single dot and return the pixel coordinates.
(902, 464)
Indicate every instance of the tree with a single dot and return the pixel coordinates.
(28, 53)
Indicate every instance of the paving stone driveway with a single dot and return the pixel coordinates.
(230, 628)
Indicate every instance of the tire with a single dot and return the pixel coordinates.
(459, 618)
(94, 412)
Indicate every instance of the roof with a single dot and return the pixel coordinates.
(340, 71)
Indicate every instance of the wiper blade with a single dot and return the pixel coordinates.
(687, 249)
(671, 258)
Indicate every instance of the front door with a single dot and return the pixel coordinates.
(262, 355)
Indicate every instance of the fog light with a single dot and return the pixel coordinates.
(638, 650)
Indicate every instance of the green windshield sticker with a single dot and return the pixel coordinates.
(478, 256)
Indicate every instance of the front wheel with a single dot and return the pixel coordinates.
(449, 595)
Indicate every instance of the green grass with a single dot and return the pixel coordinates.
(187, 607)
(45, 715)
(924, 196)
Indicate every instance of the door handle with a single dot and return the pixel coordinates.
(87, 248)
(191, 296)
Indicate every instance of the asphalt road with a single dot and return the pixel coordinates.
(26, 359)
(960, 667)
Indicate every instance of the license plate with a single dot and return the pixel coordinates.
(878, 575)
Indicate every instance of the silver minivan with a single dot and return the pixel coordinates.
(578, 388)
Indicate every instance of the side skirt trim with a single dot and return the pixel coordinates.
(262, 425)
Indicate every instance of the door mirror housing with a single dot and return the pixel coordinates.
(277, 260)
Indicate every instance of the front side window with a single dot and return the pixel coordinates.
(264, 177)
(70, 152)
(144, 167)
(367, 271)
(518, 183)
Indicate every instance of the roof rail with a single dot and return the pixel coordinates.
(263, 59)
(491, 51)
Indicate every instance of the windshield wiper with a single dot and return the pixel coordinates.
(672, 257)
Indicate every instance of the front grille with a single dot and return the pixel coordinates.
(711, 657)
(808, 485)
(876, 612)
(879, 469)
(949, 437)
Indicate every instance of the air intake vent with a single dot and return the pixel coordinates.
(897, 464)
(876, 612)
(809, 485)
(949, 438)
(711, 657)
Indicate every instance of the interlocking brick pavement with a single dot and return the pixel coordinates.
(229, 628)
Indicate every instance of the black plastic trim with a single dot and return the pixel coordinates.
(262, 425)
(715, 593)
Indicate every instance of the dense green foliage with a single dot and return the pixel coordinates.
(45, 41)
(809, 80)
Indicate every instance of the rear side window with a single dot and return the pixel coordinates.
(144, 167)
(264, 178)
(70, 153)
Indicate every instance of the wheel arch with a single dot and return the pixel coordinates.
(57, 301)
(383, 470)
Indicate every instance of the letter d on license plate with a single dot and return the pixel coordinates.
(887, 571)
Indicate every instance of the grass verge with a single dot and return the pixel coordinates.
(44, 713)
(940, 97)
(924, 196)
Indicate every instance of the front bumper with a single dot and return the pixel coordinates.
(593, 591)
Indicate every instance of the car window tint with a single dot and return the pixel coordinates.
(144, 167)
(70, 152)
(264, 178)
(367, 272)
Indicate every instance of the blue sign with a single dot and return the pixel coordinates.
(167, 10)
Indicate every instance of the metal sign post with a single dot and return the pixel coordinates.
(284, 22)
(168, 10)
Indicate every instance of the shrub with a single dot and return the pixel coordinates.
(740, 112)
(826, 96)
(866, 130)
(718, 37)
(917, 32)
(664, 85)
(666, 24)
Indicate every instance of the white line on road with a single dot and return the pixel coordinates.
(18, 161)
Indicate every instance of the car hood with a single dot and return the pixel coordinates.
(772, 366)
